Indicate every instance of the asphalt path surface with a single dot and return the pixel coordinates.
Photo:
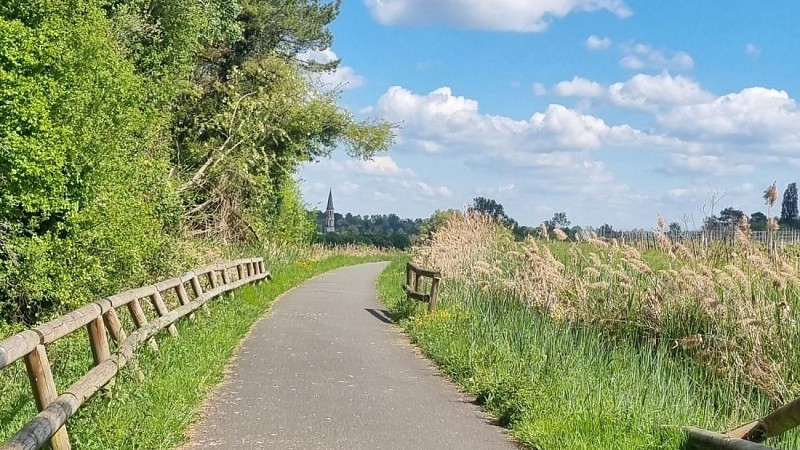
(326, 369)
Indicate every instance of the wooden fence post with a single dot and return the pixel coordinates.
(434, 294)
(183, 297)
(118, 335)
(44, 390)
(240, 271)
(98, 340)
(139, 318)
(212, 279)
(409, 275)
(161, 308)
(226, 279)
(198, 291)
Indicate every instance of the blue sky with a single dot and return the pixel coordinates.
(611, 111)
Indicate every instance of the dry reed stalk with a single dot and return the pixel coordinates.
(745, 301)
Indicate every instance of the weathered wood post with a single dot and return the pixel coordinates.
(161, 309)
(409, 275)
(434, 294)
(140, 320)
(44, 390)
(212, 278)
(98, 340)
(198, 291)
(118, 334)
(183, 297)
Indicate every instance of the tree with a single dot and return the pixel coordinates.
(489, 207)
(559, 220)
(730, 218)
(606, 231)
(437, 220)
(675, 228)
(252, 115)
(758, 221)
(789, 211)
(495, 210)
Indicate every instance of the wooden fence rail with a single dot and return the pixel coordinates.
(414, 274)
(749, 435)
(101, 320)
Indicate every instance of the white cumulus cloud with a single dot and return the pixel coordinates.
(500, 15)
(755, 118)
(441, 122)
(378, 166)
(597, 43)
(579, 87)
(642, 56)
(641, 91)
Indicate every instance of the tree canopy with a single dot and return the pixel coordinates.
(129, 126)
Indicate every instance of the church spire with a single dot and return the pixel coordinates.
(330, 216)
(330, 201)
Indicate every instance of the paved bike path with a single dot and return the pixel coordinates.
(327, 370)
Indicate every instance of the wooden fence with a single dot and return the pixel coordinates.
(101, 320)
(649, 239)
(414, 274)
(749, 435)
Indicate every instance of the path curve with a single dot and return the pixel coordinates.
(327, 370)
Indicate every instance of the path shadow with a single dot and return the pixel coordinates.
(380, 314)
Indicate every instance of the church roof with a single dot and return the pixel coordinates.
(330, 201)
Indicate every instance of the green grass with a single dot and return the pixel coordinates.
(562, 386)
(156, 413)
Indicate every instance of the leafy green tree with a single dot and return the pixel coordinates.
(758, 221)
(729, 218)
(559, 220)
(84, 205)
(257, 118)
(789, 211)
(438, 219)
(129, 125)
(492, 208)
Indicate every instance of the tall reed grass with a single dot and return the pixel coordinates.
(731, 311)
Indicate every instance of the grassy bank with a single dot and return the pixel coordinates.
(157, 412)
(562, 386)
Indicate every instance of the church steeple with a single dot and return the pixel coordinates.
(330, 217)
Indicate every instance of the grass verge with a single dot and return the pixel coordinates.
(156, 413)
(561, 386)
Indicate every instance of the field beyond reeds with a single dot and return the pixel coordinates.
(597, 345)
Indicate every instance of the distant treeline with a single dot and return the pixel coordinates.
(384, 231)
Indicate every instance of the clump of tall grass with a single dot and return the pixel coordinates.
(734, 318)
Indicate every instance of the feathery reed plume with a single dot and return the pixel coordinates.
(543, 232)
(744, 227)
(660, 222)
(771, 195)
(772, 224)
(741, 302)
(560, 235)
